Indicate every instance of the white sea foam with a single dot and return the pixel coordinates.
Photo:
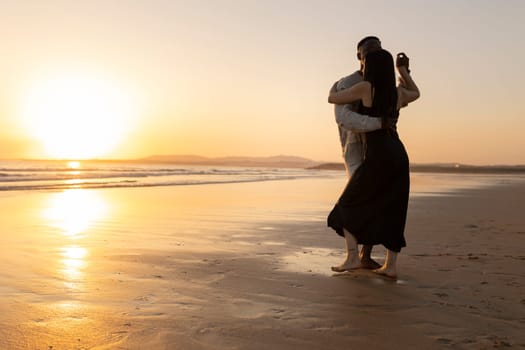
(56, 175)
(38, 175)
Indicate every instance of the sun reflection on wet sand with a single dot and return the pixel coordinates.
(74, 211)
(73, 262)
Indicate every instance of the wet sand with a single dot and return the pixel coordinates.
(247, 266)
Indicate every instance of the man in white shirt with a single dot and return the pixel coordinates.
(352, 128)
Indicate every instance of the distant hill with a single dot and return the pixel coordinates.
(328, 166)
(443, 168)
(285, 161)
(471, 169)
(281, 161)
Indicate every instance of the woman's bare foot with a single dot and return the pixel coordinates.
(352, 260)
(365, 255)
(386, 272)
(389, 267)
(347, 265)
(369, 263)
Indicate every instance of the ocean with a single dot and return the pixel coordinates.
(59, 175)
(32, 175)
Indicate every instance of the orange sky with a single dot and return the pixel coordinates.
(134, 78)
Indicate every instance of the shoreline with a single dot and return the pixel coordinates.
(443, 168)
(246, 266)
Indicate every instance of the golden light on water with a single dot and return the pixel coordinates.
(73, 262)
(73, 165)
(75, 170)
(74, 182)
(74, 211)
(74, 252)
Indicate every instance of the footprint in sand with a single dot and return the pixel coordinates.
(145, 298)
(444, 340)
(441, 295)
(279, 313)
(248, 309)
(265, 254)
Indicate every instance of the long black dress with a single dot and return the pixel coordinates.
(373, 205)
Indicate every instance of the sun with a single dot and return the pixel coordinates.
(77, 116)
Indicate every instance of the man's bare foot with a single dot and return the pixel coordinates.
(390, 273)
(347, 266)
(369, 263)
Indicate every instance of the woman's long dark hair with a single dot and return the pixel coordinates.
(379, 72)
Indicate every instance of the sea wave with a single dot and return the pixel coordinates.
(27, 176)
(128, 183)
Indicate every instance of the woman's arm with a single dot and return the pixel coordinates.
(407, 89)
(350, 120)
(352, 94)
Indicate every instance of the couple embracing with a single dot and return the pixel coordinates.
(373, 206)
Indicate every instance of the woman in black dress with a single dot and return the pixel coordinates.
(372, 209)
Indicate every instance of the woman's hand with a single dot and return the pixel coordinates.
(407, 89)
(402, 60)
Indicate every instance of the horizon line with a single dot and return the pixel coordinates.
(306, 159)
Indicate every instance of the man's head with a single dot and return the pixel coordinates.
(366, 45)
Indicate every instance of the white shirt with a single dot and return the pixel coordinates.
(352, 126)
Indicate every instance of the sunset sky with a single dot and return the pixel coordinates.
(127, 79)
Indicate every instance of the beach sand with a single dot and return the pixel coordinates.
(247, 266)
